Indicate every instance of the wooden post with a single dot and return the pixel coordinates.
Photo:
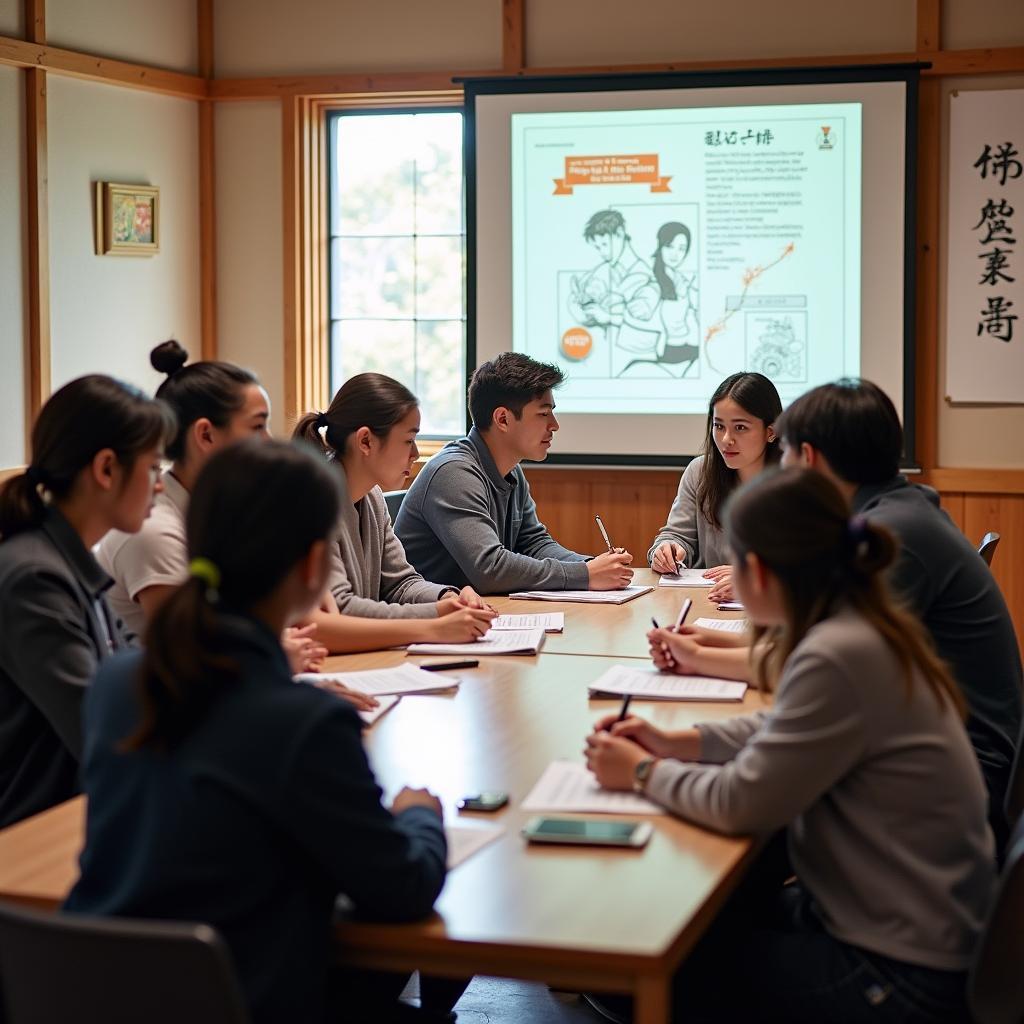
(207, 187)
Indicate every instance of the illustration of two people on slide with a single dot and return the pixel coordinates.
(648, 311)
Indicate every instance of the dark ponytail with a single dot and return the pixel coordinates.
(239, 554)
(366, 400)
(799, 526)
(667, 233)
(81, 419)
(205, 390)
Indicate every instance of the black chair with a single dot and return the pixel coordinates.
(1014, 802)
(987, 547)
(393, 500)
(56, 968)
(995, 987)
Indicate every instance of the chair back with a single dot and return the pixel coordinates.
(987, 547)
(393, 500)
(1014, 803)
(56, 968)
(995, 986)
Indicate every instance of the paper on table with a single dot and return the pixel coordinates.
(403, 679)
(384, 703)
(553, 622)
(686, 578)
(724, 625)
(494, 641)
(569, 786)
(465, 840)
(582, 596)
(654, 685)
(730, 606)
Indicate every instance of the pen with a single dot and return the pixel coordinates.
(622, 713)
(604, 532)
(683, 612)
(654, 622)
(438, 666)
(679, 567)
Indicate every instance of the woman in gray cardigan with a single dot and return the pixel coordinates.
(862, 759)
(740, 442)
(369, 434)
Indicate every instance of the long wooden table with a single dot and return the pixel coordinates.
(607, 920)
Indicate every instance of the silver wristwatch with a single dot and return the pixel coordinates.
(642, 772)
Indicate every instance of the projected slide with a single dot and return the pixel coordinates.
(654, 252)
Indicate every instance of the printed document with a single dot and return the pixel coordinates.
(380, 681)
(494, 641)
(651, 684)
(568, 786)
(554, 622)
(582, 596)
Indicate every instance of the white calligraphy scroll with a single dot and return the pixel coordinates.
(985, 280)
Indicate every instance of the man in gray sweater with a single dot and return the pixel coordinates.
(468, 517)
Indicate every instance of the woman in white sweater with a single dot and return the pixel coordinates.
(740, 442)
(862, 759)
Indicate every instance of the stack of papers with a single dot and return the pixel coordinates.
(382, 681)
(384, 703)
(724, 625)
(686, 578)
(582, 596)
(494, 641)
(554, 622)
(465, 840)
(570, 786)
(651, 684)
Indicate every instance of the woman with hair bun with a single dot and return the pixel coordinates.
(96, 451)
(864, 762)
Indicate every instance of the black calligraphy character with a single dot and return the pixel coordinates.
(765, 137)
(995, 218)
(996, 262)
(1001, 162)
(996, 321)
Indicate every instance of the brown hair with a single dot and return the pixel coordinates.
(78, 421)
(241, 498)
(755, 394)
(366, 400)
(798, 525)
(511, 380)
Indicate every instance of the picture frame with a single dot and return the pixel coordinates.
(127, 219)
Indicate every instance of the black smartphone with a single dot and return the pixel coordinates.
(489, 801)
(588, 833)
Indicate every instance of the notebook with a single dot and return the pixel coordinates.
(724, 625)
(686, 578)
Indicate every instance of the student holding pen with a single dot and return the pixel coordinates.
(862, 759)
(740, 442)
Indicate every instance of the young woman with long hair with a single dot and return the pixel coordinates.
(368, 435)
(862, 759)
(221, 791)
(96, 450)
(740, 442)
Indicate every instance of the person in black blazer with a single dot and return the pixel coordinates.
(96, 449)
(220, 790)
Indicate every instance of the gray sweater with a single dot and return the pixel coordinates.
(370, 575)
(704, 542)
(881, 793)
(465, 522)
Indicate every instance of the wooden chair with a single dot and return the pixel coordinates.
(56, 968)
(987, 547)
(995, 986)
(393, 500)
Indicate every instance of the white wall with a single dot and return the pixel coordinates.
(13, 256)
(250, 258)
(160, 32)
(109, 311)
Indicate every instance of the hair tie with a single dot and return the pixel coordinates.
(322, 421)
(205, 570)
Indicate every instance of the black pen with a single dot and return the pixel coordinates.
(439, 666)
(622, 713)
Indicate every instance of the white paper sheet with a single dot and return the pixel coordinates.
(686, 578)
(494, 641)
(568, 786)
(402, 679)
(731, 606)
(651, 684)
(465, 840)
(384, 703)
(553, 622)
(724, 625)
(582, 596)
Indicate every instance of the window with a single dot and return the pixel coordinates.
(397, 257)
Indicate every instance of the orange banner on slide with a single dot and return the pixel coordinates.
(632, 169)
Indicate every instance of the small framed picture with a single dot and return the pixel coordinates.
(127, 219)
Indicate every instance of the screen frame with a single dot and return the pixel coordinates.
(908, 74)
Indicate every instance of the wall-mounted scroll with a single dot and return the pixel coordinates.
(985, 280)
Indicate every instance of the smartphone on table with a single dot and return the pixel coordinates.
(587, 832)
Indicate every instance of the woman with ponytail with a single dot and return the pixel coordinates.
(862, 759)
(96, 450)
(368, 434)
(221, 791)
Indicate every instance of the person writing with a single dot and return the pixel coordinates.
(739, 443)
(221, 791)
(469, 516)
(862, 759)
